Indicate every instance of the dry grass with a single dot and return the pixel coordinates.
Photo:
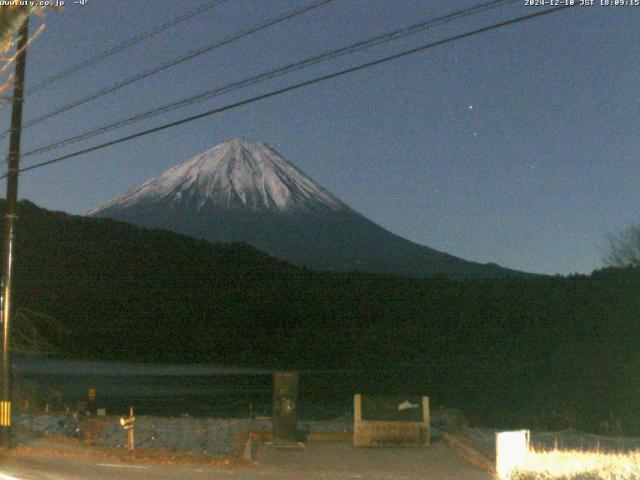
(579, 465)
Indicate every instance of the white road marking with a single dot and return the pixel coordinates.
(120, 465)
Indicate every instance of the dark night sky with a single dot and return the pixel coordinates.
(519, 146)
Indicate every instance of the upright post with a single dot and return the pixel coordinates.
(129, 424)
(285, 408)
(12, 199)
(131, 439)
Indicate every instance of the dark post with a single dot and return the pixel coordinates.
(12, 199)
(285, 408)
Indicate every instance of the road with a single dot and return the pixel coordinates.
(318, 461)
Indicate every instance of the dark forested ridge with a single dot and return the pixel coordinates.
(537, 344)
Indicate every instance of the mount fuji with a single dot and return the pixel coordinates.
(246, 191)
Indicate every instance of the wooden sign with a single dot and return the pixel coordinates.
(391, 421)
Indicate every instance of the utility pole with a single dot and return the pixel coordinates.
(12, 200)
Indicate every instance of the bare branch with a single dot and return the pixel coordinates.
(624, 248)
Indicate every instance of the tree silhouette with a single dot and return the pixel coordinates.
(624, 248)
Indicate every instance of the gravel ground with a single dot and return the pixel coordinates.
(60, 424)
(203, 435)
(211, 436)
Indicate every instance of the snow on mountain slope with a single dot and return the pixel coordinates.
(237, 174)
(241, 191)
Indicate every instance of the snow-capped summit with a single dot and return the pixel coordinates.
(238, 174)
(243, 191)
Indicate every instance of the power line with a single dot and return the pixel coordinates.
(247, 82)
(297, 86)
(183, 58)
(124, 45)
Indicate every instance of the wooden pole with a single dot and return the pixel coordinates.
(12, 200)
(131, 439)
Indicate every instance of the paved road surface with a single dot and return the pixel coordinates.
(318, 461)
